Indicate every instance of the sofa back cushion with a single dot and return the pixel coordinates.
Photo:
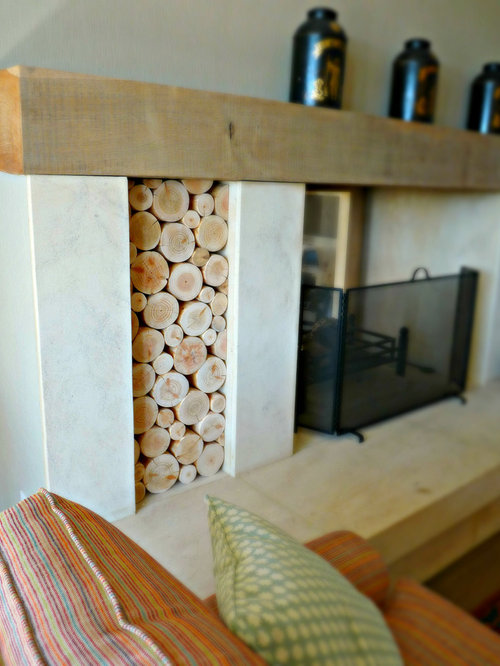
(74, 589)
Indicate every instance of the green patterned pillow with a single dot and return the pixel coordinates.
(286, 602)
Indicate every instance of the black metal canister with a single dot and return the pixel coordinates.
(484, 105)
(319, 47)
(414, 82)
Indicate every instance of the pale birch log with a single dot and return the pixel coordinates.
(147, 345)
(190, 355)
(132, 252)
(138, 301)
(206, 295)
(152, 183)
(199, 257)
(176, 242)
(197, 185)
(187, 474)
(145, 413)
(170, 201)
(216, 270)
(211, 233)
(219, 348)
(138, 472)
(162, 309)
(193, 408)
(135, 324)
(194, 317)
(165, 418)
(137, 451)
(140, 197)
(210, 427)
(185, 281)
(222, 439)
(161, 473)
(140, 492)
(149, 272)
(209, 336)
(163, 363)
(211, 376)
(220, 194)
(218, 304)
(217, 403)
(191, 219)
(143, 378)
(145, 230)
(224, 287)
(211, 460)
(177, 430)
(170, 389)
(188, 448)
(173, 335)
(154, 442)
(218, 323)
(203, 204)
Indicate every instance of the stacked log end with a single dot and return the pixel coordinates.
(179, 284)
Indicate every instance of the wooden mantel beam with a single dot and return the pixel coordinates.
(60, 123)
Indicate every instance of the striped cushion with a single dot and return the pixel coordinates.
(431, 631)
(75, 590)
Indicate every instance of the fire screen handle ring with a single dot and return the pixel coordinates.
(415, 273)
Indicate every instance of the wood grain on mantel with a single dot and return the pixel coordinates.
(60, 123)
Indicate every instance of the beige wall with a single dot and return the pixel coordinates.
(244, 46)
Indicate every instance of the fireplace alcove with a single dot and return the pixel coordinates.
(66, 214)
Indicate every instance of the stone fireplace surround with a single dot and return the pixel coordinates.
(66, 358)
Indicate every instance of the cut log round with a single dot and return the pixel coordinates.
(140, 492)
(137, 450)
(140, 197)
(190, 355)
(216, 270)
(135, 324)
(138, 301)
(147, 345)
(149, 272)
(145, 413)
(224, 287)
(222, 439)
(217, 403)
(152, 183)
(145, 230)
(209, 336)
(185, 281)
(203, 204)
(130, 184)
(206, 295)
(193, 408)
(143, 378)
(170, 201)
(191, 219)
(219, 348)
(211, 233)
(211, 376)
(200, 257)
(194, 317)
(154, 442)
(162, 309)
(188, 448)
(218, 304)
(165, 418)
(211, 427)
(173, 335)
(132, 252)
(197, 185)
(211, 460)
(138, 472)
(177, 430)
(220, 194)
(218, 323)
(163, 363)
(187, 474)
(176, 242)
(170, 389)
(161, 473)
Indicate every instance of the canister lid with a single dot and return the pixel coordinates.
(322, 13)
(491, 67)
(417, 43)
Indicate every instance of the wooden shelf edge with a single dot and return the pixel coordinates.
(62, 123)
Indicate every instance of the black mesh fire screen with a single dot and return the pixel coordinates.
(370, 353)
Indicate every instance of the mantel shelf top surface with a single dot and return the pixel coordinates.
(55, 122)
